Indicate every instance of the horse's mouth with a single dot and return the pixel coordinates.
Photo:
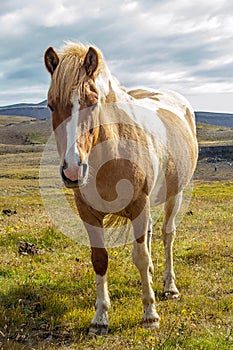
(77, 183)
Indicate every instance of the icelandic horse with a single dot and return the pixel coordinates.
(121, 153)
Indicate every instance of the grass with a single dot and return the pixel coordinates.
(212, 135)
(23, 131)
(47, 300)
(6, 120)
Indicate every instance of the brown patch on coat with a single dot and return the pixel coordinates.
(141, 93)
(139, 174)
(191, 120)
(182, 158)
(88, 214)
(141, 239)
(88, 94)
(120, 169)
(99, 258)
(60, 113)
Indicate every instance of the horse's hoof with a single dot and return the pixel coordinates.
(172, 295)
(96, 329)
(151, 324)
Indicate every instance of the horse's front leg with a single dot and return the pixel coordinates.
(99, 324)
(142, 259)
(99, 258)
(93, 222)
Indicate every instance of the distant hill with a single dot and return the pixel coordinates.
(40, 111)
(220, 119)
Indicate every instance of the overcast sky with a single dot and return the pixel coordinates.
(184, 45)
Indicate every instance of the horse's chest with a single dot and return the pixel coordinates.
(114, 185)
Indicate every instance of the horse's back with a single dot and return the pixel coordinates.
(167, 102)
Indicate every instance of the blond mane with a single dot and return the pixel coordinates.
(68, 76)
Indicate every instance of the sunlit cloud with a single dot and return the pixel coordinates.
(182, 45)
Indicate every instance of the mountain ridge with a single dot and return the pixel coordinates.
(32, 110)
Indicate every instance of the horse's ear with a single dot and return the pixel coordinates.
(91, 61)
(51, 60)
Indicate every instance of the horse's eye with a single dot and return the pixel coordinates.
(51, 108)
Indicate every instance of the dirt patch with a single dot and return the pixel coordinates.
(211, 171)
(24, 132)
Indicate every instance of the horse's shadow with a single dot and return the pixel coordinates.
(33, 314)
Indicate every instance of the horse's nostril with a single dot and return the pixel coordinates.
(65, 165)
(77, 179)
(84, 169)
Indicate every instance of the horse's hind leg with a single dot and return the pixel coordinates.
(171, 209)
(149, 237)
(142, 260)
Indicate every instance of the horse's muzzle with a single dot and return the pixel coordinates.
(83, 167)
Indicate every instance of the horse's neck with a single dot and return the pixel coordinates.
(109, 88)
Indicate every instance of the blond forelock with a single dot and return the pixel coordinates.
(68, 76)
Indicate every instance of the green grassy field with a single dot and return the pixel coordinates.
(210, 135)
(47, 300)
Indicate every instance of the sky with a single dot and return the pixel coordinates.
(183, 45)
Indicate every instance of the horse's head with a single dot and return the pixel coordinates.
(72, 98)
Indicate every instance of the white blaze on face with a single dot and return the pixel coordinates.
(72, 156)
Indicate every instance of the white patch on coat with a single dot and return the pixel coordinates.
(102, 302)
(102, 83)
(72, 154)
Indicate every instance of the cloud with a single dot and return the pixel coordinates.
(175, 44)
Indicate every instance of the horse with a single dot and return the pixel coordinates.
(122, 152)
